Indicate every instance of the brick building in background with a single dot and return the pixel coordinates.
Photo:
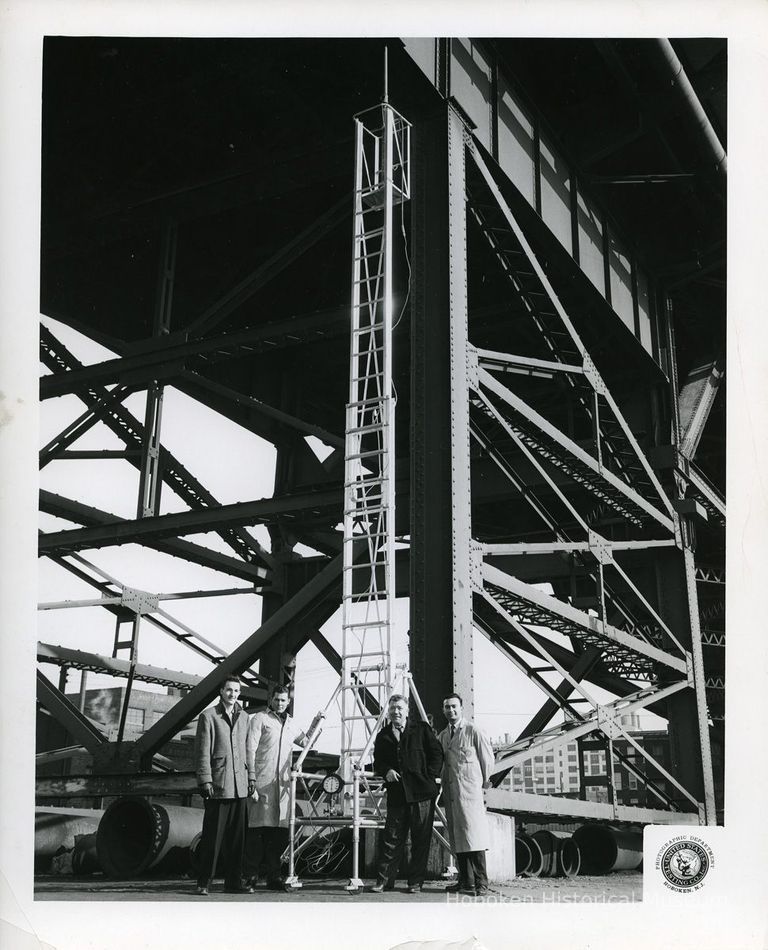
(560, 771)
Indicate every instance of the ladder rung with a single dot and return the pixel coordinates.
(374, 232)
(367, 565)
(374, 427)
(369, 329)
(370, 479)
(367, 377)
(367, 623)
(359, 656)
(365, 537)
(363, 455)
(364, 257)
(365, 598)
(367, 510)
(371, 401)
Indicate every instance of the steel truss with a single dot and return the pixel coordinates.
(157, 363)
(598, 497)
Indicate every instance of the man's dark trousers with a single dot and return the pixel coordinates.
(264, 847)
(416, 817)
(472, 871)
(223, 831)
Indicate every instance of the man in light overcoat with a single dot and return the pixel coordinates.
(222, 777)
(272, 734)
(467, 765)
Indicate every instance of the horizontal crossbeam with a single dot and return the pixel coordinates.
(112, 666)
(154, 529)
(70, 510)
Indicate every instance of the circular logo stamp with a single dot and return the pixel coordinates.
(684, 862)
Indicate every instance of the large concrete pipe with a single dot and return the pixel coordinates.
(136, 835)
(560, 853)
(56, 830)
(604, 849)
(535, 864)
(549, 844)
(523, 856)
(568, 857)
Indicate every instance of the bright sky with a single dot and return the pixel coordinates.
(235, 465)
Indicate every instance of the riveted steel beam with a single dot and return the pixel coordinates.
(308, 506)
(77, 725)
(301, 611)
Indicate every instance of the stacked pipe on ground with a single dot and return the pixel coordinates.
(604, 849)
(136, 835)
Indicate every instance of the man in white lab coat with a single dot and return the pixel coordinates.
(272, 735)
(467, 765)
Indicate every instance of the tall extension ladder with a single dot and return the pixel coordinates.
(382, 182)
(369, 674)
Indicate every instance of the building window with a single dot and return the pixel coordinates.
(135, 718)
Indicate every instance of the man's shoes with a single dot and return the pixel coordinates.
(202, 892)
(481, 891)
(242, 889)
(454, 888)
(379, 887)
(413, 889)
(467, 891)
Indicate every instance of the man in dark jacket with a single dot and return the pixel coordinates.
(409, 758)
(222, 777)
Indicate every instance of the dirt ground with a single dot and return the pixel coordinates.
(619, 887)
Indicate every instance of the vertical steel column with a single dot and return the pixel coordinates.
(692, 641)
(461, 507)
(129, 682)
(699, 685)
(150, 480)
(83, 688)
(431, 588)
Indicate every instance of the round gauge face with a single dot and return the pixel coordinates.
(332, 784)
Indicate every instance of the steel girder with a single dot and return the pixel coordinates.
(130, 431)
(198, 554)
(172, 357)
(95, 663)
(616, 473)
(319, 505)
(77, 725)
(162, 620)
(307, 609)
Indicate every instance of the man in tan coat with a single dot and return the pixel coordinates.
(468, 762)
(272, 734)
(222, 778)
